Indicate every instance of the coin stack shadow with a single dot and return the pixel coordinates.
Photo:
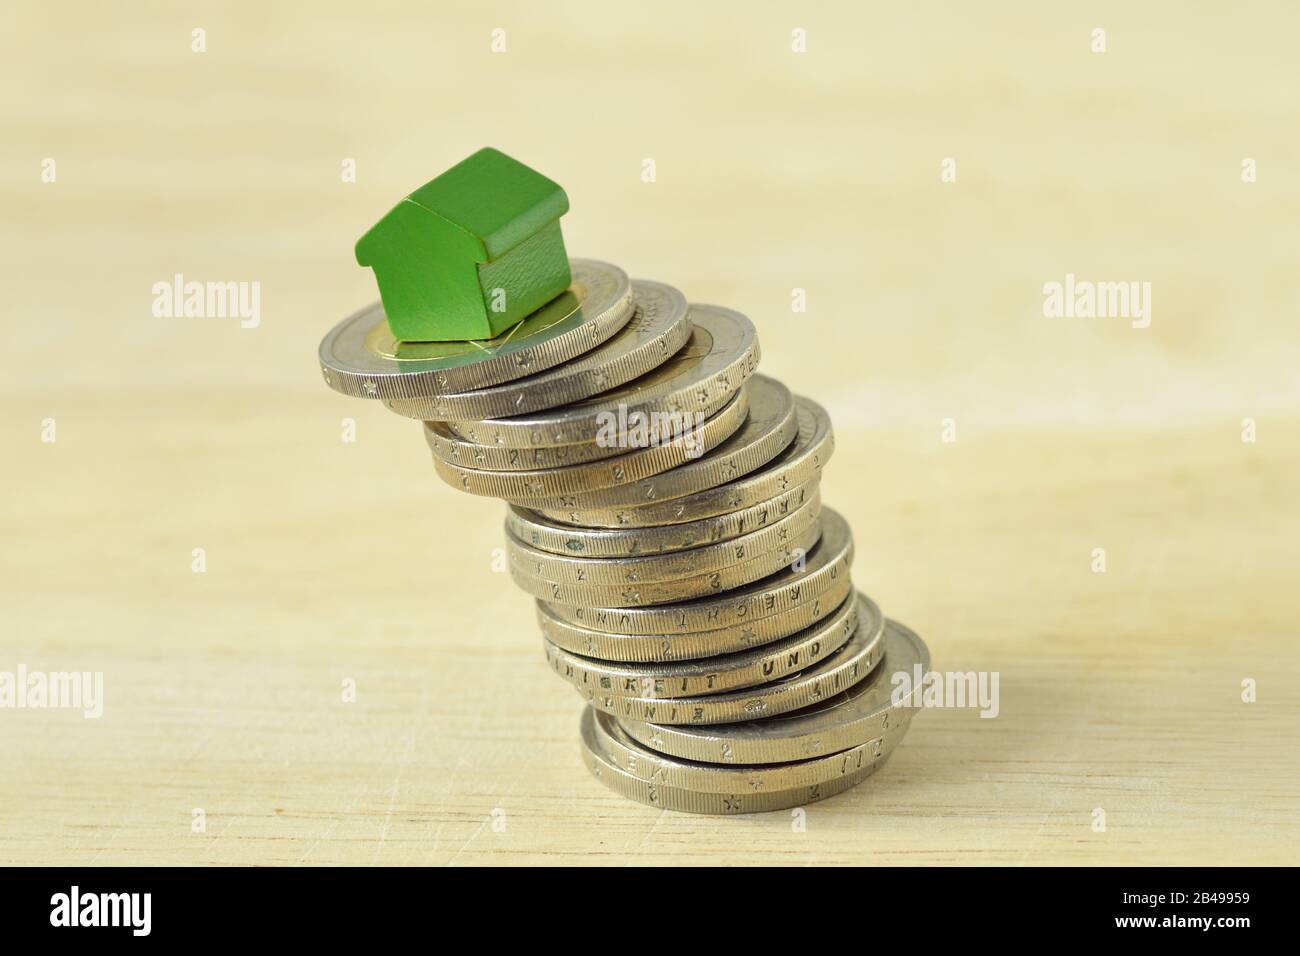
(664, 509)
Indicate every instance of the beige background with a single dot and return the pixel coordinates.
(329, 560)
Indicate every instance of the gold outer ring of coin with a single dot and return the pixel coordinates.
(637, 760)
(720, 355)
(677, 589)
(801, 461)
(700, 801)
(526, 485)
(669, 566)
(825, 566)
(712, 675)
(658, 329)
(752, 448)
(838, 672)
(865, 711)
(662, 648)
(559, 538)
(360, 357)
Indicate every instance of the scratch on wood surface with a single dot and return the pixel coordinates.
(472, 837)
(217, 839)
(397, 778)
(645, 837)
(334, 824)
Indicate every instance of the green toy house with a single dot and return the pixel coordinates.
(471, 253)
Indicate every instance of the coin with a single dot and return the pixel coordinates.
(743, 800)
(651, 648)
(455, 450)
(674, 590)
(458, 451)
(556, 537)
(823, 568)
(800, 462)
(771, 428)
(862, 712)
(360, 357)
(610, 769)
(714, 674)
(831, 675)
(667, 566)
(699, 379)
(658, 329)
(637, 760)
(541, 482)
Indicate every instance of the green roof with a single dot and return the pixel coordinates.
(495, 198)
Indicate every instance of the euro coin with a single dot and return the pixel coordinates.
(799, 585)
(607, 769)
(801, 461)
(830, 676)
(701, 377)
(458, 451)
(658, 329)
(360, 357)
(862, 712)
(692, 678)
(523, 486)
(673, 590)
(558, 537)
(635, 569)
(771, 428)
(690, 645)
(641, 762)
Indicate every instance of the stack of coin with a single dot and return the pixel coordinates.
(664, 509)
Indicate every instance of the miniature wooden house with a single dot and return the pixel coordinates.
(471, 253)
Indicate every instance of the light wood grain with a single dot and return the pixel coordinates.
(330, 560)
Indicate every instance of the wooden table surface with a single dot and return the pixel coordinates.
(330, 561)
